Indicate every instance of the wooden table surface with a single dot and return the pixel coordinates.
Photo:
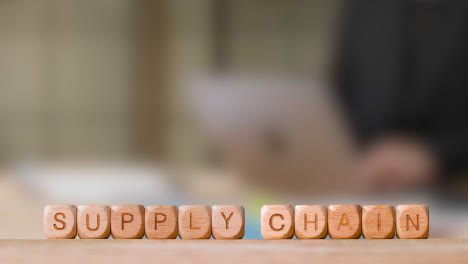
(238, 251)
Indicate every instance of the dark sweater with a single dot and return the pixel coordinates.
(403, 67)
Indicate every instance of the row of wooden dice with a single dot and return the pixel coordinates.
(228, 221)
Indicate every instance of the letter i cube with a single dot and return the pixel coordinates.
(378, 221)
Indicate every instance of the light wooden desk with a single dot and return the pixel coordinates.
(239, 251)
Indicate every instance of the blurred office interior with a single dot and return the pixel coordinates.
(179, 102)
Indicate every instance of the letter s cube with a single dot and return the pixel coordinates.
(60, 221)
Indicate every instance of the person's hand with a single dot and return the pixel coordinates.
(398, 163)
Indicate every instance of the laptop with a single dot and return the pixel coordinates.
(282, 134)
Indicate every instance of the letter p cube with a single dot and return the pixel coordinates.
(161, 222)
(127, 221)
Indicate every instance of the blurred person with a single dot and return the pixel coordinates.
(402, 77)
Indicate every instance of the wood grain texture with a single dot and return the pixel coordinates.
(311, 221)
(60, 221)
(378, 221)
(277, 221)
(94, 221)
(228, 222)
(127, 221)
(161, 222)
(194, 222)
(146, 251)
(344, 221)
(413, 221)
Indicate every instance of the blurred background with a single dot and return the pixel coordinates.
(233, 102)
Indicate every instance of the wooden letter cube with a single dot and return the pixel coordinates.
(378, 221)
(94, 221)
(194, 222)
(228, 222)
(311, 221)
(412, 221)
(127, 221)
(161, 222)
(60, 221)
(344, 221)
(277, 221)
